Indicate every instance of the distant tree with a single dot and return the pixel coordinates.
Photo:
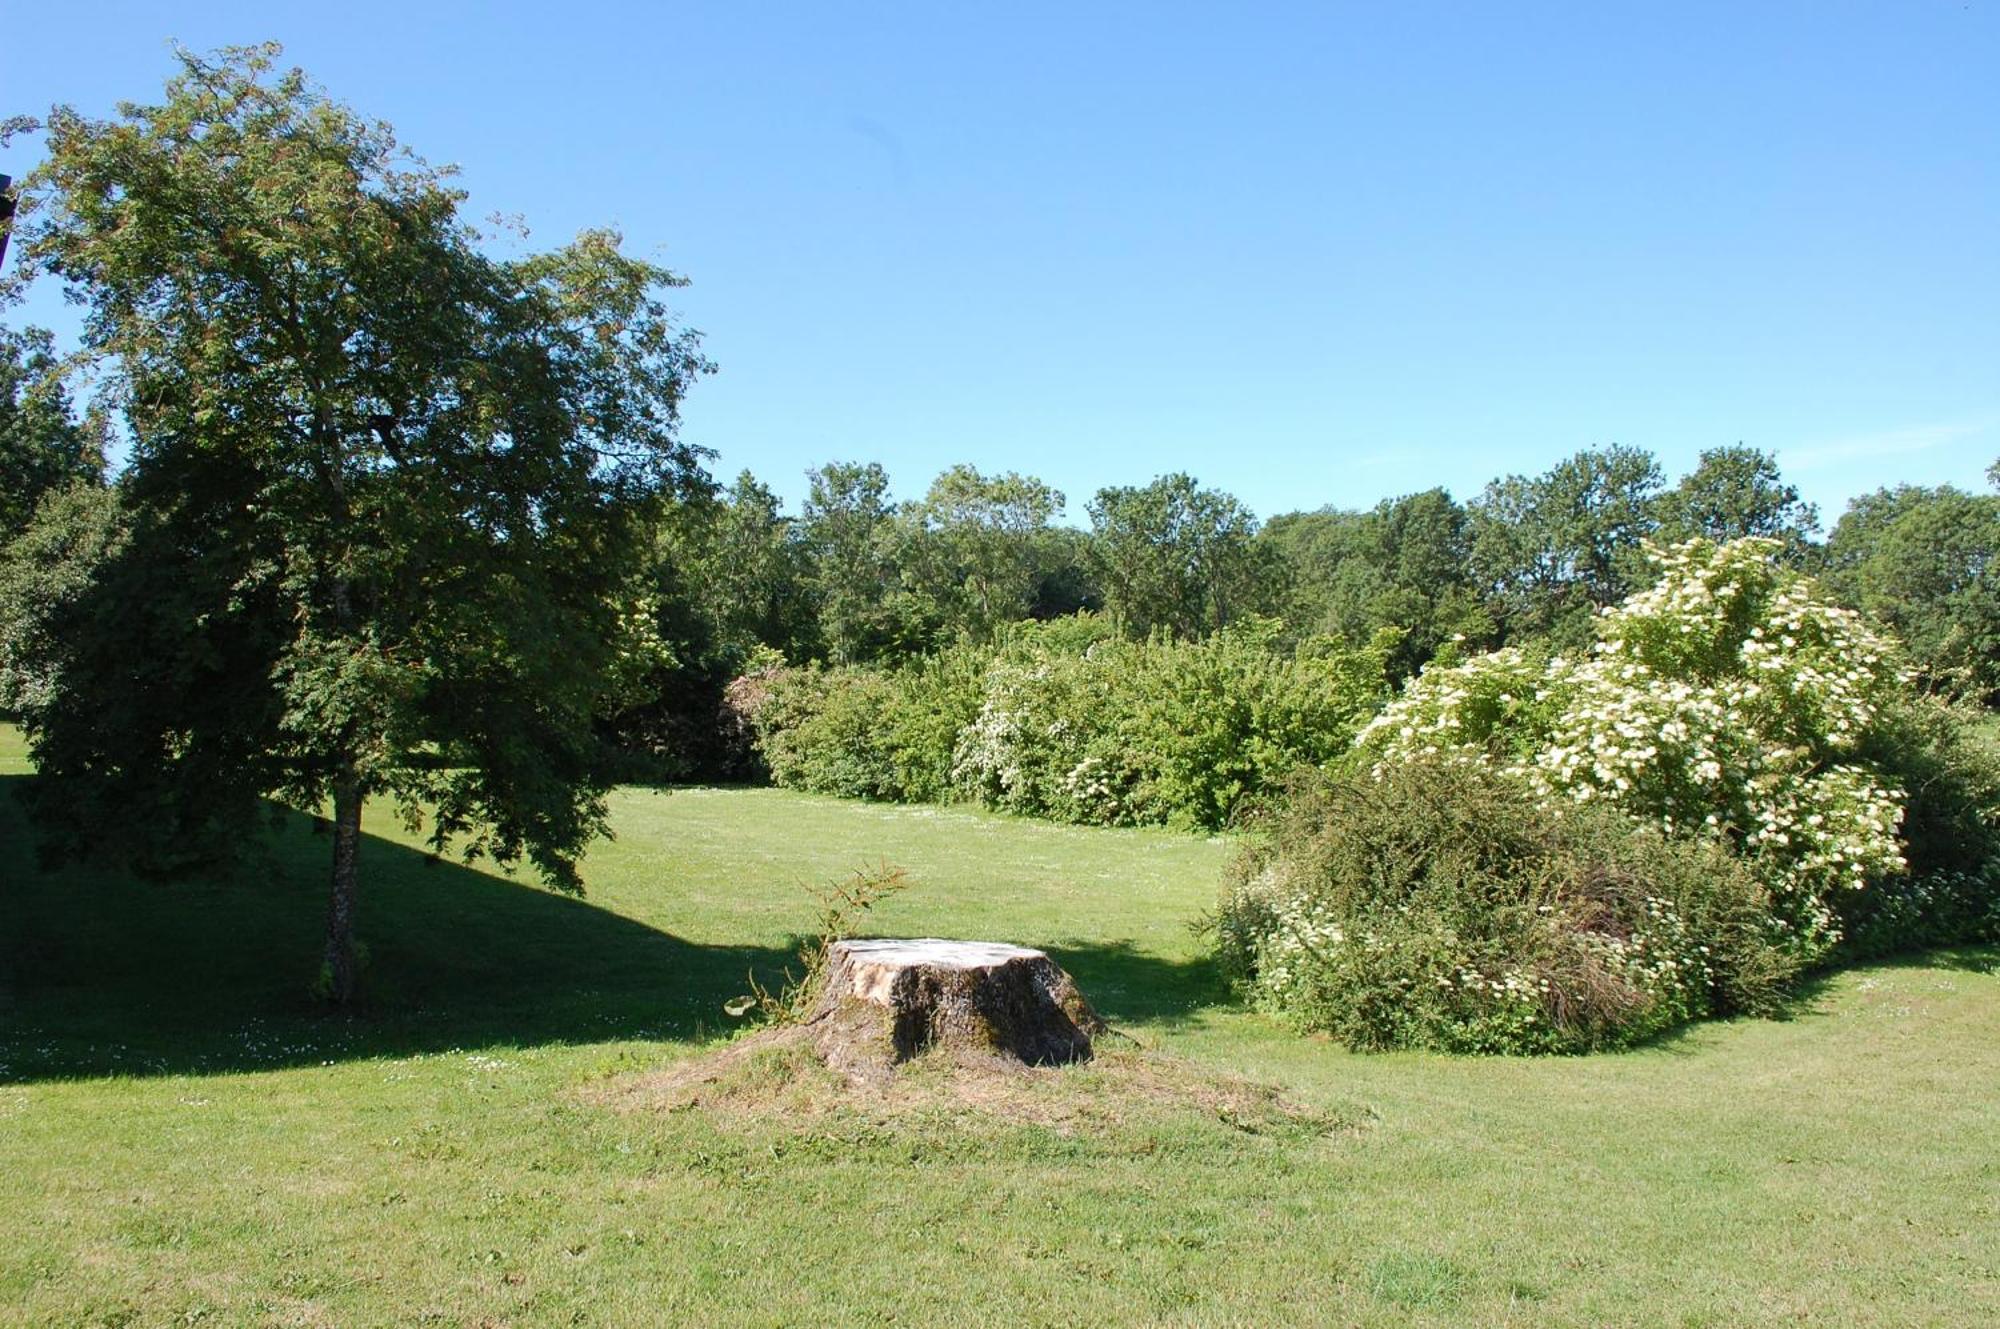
(52, 562)
(1923, 562)
(1402, 564)
(748, 565)
(1332, 566)
(1551, 549)
(729, 576)
(847, 529)
(1175, 556)
(1734, 492)
(43, 446)
(972, 547)
(382, 525)
(1065, 575)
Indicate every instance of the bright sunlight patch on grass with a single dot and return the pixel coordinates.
(184, 1140)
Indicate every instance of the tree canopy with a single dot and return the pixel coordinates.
(1923, 561)
(1550, 549)
(1736, 492)
(1174, 556)
(385, 495)
(43, 447)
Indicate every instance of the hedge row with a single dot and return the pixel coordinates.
(1069, 722)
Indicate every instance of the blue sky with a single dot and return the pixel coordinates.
(1314, 254)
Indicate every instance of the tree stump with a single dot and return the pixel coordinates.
(887, 1001)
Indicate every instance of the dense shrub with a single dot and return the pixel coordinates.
(1067, 721)
(1944, 756)
(1185, 733)
(860, 732)
(1551, 853)
(935, 699)
(1728, 702)
(1437, 905)
(1049, 739)
(825, 730)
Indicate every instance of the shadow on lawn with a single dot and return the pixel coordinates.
(1128, 985)
(102, 974)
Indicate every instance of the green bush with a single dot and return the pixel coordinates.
(1438, 905)
(1065, 720)
(1048, 739)
(865, 733)
(826, 731)
(934, 699)
(1944, 754)
(1729, 701)
(1185, 733)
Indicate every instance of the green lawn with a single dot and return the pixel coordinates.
(183, 1140)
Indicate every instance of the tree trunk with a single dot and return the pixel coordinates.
(340, 969)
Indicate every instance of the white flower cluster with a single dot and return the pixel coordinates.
(1728, 701)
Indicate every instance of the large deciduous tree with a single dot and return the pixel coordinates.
(972, 547)
(385, 503)
(846, 525)
(1734, 492)
(1174, 556)
(1926, 562)
(1401, 564)
(1551, 549)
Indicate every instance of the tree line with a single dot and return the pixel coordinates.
(856, 577)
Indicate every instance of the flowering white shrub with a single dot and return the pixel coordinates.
(1729, 701)
(1439, 906)
(1047, 741)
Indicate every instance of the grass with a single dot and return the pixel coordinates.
(183, 1140)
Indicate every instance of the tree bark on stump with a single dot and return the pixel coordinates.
(885, 1002)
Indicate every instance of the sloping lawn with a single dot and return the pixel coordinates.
(183, 1140)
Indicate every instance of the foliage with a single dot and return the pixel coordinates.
(1402, 564)
(1728, 702)
(375, 545)
(1178, 558)
(847, 529)
(1549, 549)
(1926, 563)
(972, 547)
(1069, 721)
(1437, 905)
(1945, 755)
(825, 729)
(51, 564)
(1051, 736)
(1185, 733)
(1736, 492)
(936, 698)
(43, 447)
(870, 733)
(743, 565)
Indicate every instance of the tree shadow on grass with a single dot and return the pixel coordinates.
(101, 974)
(1964, 959)
(1815, 995)
(1129, 986)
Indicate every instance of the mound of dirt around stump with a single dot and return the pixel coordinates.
(887, 1001)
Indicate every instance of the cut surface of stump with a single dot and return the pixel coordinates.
(887, 1001)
